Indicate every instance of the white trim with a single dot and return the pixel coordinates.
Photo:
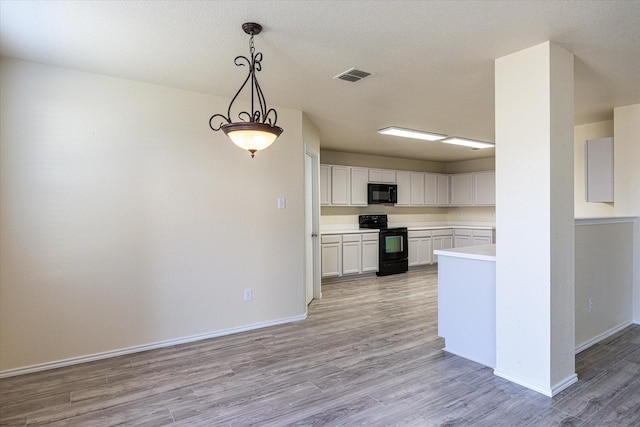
(547, 391)
(317, 269)
(606, 334)
(600, 221)
(146, 347)
(570, 380)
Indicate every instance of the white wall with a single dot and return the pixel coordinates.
(625, 128)
(126, 221)
(604, 275)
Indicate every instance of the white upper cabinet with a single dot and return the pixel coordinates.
(417, 188)
(384, 176)
(598, 168)
(359, 180)
(462, 189)
(340, 185)
(431, 189)
(484, 188)
(347, 186)
(325, 184)
(443, 190)
(403, 179)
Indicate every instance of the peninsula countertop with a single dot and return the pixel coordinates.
(482, 253)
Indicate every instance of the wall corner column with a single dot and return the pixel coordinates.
(535, 276)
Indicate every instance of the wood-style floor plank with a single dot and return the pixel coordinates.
(368, 354)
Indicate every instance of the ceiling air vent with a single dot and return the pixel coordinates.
(352, 75)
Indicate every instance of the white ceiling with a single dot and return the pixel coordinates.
(433, 60)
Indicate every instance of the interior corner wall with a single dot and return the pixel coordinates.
(626, 148)
(125, 221)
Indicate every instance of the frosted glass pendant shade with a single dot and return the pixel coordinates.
(252, 136)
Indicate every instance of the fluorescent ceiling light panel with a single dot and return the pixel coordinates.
(410, 133)
(467, 142)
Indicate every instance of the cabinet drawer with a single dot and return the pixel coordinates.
(462, 232)
(331, 238)
(418, 233)
(369, 236)
(351, 238)
(448, 232)
(482, 233)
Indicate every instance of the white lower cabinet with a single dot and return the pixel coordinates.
(472, 237)
(369, 252)
(349, 253)
(441, 239)
(331, 253)
(419, 247)
(462, 238)
(482, 237)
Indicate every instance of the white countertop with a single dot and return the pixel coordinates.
(482, 253)
(353, 228)
(350, 231)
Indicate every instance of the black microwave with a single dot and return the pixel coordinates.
(382, 193)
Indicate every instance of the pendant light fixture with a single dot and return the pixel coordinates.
(254, 130)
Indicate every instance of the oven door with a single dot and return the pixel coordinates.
(393, 244)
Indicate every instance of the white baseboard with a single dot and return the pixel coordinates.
(606, 334)
(547, 391)
(146, 347)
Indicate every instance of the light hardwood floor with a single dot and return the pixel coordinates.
(367, 355)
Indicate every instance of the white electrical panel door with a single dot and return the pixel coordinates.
(598, 167)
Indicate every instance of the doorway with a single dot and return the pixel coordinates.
(312, 224)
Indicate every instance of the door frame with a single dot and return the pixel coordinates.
(315, 219)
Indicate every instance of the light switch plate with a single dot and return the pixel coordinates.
(282, 203)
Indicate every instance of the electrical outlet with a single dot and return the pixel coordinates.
(248, 295)
(590, 305)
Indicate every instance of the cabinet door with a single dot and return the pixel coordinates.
(417, 189)
(351, 257)
(430, 189)
(424, 252)
(340, 185)
(359, 180)
(480, 240)
(484, 188)
(370, 255)
(389, 176)
(462, 189)
(382, 175)
(414, 251)
(461, 241)
(442, 198)
(325, 184)
(403, 178)
(441, 242)
(331, 259)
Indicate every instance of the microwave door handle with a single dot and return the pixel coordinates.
(391, 192)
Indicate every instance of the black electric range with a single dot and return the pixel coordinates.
(393, 251)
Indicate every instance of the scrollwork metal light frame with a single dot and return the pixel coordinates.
(261, 118)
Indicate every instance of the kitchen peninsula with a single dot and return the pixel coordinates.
(467, 302)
